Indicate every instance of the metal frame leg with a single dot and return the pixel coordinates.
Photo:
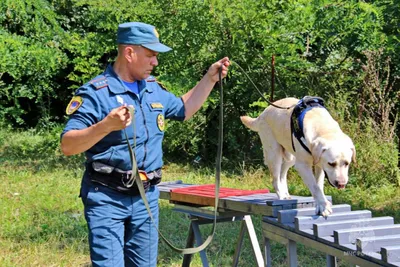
(189, 244)
(239, 245)
(267, 252)
(331, 261)
(292, 253)
(247, 223)
(199, 241)
(254, 241)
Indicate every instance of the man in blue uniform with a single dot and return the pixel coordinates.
(120, 230)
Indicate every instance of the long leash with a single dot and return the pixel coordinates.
(266, 100)
(138, 180)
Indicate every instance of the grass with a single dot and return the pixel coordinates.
(42, 220)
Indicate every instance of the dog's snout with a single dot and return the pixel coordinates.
(340, 185)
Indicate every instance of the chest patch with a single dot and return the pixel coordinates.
(160, 122)
(120, 100)
(74, 104)
(156, 105)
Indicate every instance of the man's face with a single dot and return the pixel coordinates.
(142, 62)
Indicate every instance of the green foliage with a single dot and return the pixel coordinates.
(377, 159)
(50, 48)
(30, 60)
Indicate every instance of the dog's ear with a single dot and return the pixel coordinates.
(353, 149)
(317, 148)
(353, 157)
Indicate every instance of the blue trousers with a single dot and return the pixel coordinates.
(120, 230)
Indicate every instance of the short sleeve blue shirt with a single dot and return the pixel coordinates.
(152, 106)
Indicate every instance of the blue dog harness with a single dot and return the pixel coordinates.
(296, 120)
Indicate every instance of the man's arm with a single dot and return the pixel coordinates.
(78, 141)
(195, 98)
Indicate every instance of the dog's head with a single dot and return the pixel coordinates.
(334, 157)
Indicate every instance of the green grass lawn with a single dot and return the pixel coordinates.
(42, 221)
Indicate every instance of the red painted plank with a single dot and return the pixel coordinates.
(209, 191)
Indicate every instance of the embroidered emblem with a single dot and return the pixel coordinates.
(74, 104)
(160, 122)
(156, 105)
(156, 33)
(120, 99)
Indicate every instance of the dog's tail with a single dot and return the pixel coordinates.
(249, 122)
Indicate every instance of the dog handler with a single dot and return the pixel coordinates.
(120, 230)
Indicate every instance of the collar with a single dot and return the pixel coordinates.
(116, 85)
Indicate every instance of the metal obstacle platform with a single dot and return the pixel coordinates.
(353, 236)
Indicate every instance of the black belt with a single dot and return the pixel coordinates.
(118, 180)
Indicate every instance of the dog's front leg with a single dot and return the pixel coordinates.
(319, 175)
(323, 206)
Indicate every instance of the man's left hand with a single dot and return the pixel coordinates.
(213, 71)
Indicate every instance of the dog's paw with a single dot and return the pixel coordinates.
(324, 208)
(283, 196)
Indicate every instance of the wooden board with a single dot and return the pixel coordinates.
(205, 194)
(266, 204)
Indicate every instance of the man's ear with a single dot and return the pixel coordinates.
(130, 53)
(317, 148)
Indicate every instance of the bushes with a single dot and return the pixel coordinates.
(376, 159)
(318, 49)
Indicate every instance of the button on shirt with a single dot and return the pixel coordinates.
(107, 92)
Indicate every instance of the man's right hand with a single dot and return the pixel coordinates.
(78, 141)
(118, 118)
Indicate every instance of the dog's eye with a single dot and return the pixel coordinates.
(332, 164)
(346, 163)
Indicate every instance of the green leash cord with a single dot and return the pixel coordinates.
(262, 96)
(142, 192)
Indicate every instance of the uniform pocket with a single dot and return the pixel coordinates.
(104, 157)
(155, 116)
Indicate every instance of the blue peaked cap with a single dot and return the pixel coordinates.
(138, 33)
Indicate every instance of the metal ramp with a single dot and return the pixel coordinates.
(354, 236)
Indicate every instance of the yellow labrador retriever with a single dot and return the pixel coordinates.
(322, 146)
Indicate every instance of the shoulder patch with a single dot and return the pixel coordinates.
(150, 79)
(99, 83)
(162, 85)
(74, 104)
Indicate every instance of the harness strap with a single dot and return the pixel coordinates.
(296, 119)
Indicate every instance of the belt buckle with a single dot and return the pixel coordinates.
(143, 175)
(127, 179)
